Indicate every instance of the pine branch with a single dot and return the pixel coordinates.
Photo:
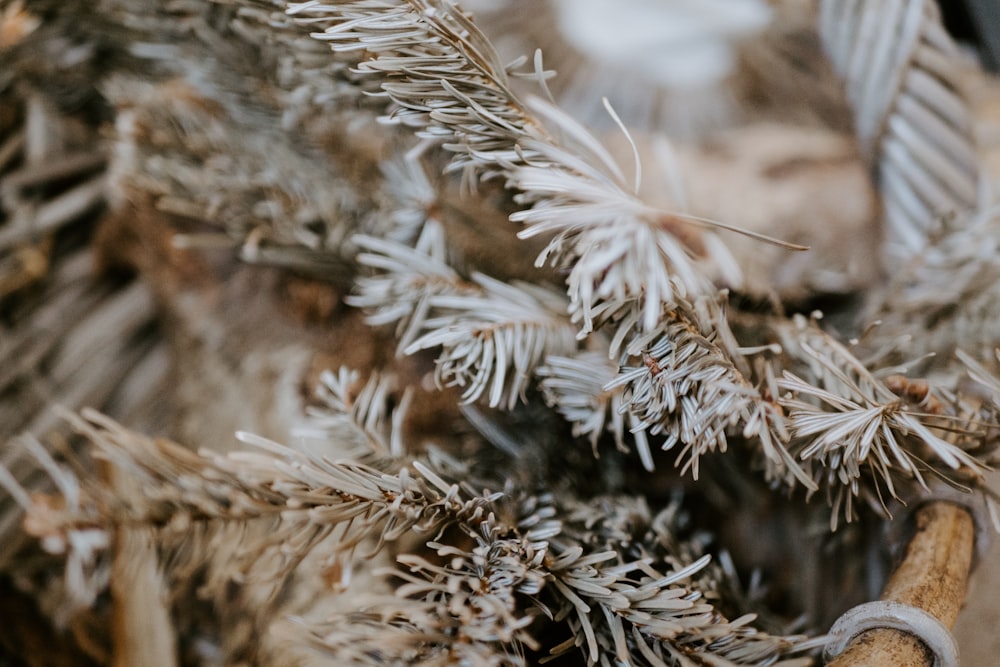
(863, 435)
(362, 423)
(576, 387)
(650, 610)
(679, 383)
(687, 390)
(584, 204)
(479, 601)
(481, 604)
(948, 292)
(473, 604)
(616, 247)
(492, 335)
(303, 497)
(902, 71)
(446, 81)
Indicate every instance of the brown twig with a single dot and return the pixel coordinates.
(933, 576)
(143, 633)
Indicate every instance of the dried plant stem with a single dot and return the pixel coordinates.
(933, 576)
(55, 213)
(11, 147)
(69, 165)
(143, 632)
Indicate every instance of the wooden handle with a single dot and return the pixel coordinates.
(933, 576)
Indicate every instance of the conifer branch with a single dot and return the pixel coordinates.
(499, 560)
(948, 292)
(492, 335)
(446, 81)
(857, 434)
(480, 602)
(362, 423)
(902, 71)
(576, 387)
(685, 389)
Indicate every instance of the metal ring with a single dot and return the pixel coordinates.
(897, 616)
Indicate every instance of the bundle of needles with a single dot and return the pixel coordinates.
(333, 333)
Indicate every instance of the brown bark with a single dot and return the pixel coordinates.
(142, 630)
(933, 576)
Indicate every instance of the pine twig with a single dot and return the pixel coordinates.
(901, 69)
(447, 83)
(493, 335)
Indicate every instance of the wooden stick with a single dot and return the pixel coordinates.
(933, 576)
(53, 214)
(10, 148)
(143, 632)
(68, 165)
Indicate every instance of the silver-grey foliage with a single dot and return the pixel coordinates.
(640, 349)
